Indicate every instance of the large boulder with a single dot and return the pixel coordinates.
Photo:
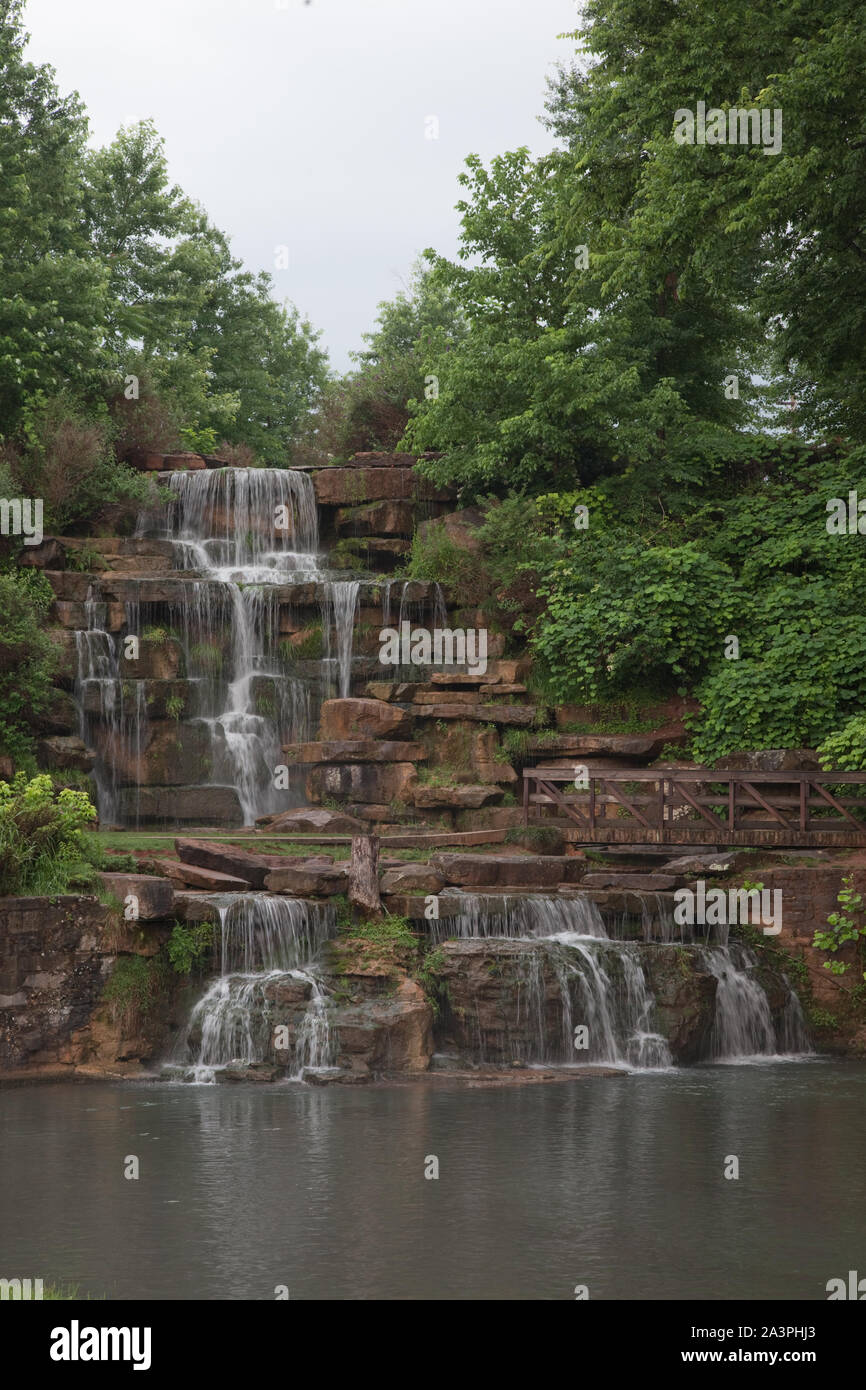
(341, 487)
(362, 718)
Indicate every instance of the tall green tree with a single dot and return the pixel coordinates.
(53, 291)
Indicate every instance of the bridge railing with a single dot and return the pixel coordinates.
(671, 805)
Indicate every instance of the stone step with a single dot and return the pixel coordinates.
(642, 883)
(154, 897)
(518, 715)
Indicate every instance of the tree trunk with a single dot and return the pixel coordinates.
(364, 875)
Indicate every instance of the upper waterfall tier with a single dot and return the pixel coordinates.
(259, 521)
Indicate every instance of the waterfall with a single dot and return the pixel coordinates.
(743, 1025)
(340, 605)
(572, 971)
(112, 711)
(268, 951)
(229, 519)
(243, 535)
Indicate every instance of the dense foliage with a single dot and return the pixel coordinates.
(44, 847)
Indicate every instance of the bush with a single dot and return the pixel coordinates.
(435, 556)
(151, 423)
(68, 460)
(43, 845)
(27, 659)
(845, 750)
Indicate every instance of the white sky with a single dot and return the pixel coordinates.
(303, 124)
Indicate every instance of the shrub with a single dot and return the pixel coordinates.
(68, 460)
(151, 423)
(43, 845)
(845, 750)
(188, 946)
(435, 556)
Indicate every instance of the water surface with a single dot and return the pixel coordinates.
(612, 1182)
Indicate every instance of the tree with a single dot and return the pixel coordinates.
(53, 292)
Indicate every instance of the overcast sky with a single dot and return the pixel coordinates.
(304, 124)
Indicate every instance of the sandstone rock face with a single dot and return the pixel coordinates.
(388, 1036)
(518, 715)
(412, 878)
(308, 820)
(342, 487)
(362, 718)
(157, 661)
(363, 782)
(461, 527)
(154, 896)
(377, 519)
(60, 716)
(225, 859)
(55, 957)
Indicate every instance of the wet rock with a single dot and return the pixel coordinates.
(156, 661)
(388, 1033)
(286, 992)
(362, 718)
(155, 896)
(48, 555)
(247, 1071)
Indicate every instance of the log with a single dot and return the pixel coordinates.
(364, 875)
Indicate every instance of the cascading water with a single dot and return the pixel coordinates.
(339, 608)
(268, 980)
(112, 710)
(743, 1024)
(572, 971)
(248, 533)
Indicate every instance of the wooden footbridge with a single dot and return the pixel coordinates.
(698, 806)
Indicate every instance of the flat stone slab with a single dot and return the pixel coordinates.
(521, 715)
(412, 878)
(354, 751)
(191, 876)
(631, 746)
(224, 859)
(311, 820)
